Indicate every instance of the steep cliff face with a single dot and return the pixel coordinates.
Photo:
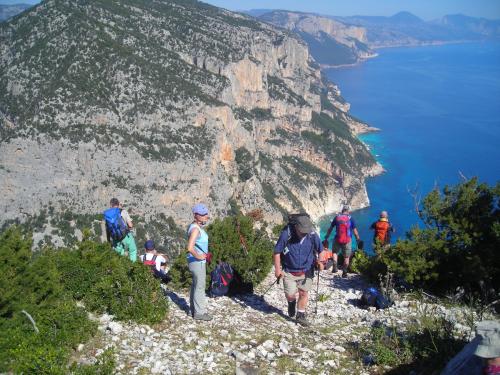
(164, 104)
(331, 42)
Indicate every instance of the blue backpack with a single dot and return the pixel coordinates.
(115, 225)
(221, 278)
(373, 297)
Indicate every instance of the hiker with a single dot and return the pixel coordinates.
(197, 258)
(157, 262)
(489, 346)
(382, 231)
(299, 246)
(345, 227)
(119, 229)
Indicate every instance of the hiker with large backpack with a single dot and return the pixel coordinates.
(345, 227)
(156, 262)
(119, 229)
(296, 252)
(197, 258)
(382, 231)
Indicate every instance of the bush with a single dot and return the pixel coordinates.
(458, 248)
(107, 282)
(250, 254)
(423, 347)
(33, 284)
(370, 267)
(43, 286)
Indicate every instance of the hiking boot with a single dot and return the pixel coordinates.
(344, 274)
(301, 319)
(291, 308)
(335, 269)
(204, 317)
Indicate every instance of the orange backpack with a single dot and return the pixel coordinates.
(382, 230)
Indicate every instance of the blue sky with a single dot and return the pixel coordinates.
(426, 9)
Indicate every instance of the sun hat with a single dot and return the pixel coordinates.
(200, 209)
(489, 334)
(149, 245)
(304, 224)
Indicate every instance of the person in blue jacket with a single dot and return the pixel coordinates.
(298, 247)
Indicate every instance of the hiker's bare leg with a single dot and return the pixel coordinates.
(346, 262)
(290, 298)
(303, 298)
(335, 257)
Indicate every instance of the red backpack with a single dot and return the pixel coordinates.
(151, 263)
(343, 231)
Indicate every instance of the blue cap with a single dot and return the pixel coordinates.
(200, 209)
(149, 245)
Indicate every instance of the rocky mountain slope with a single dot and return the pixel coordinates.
(255, 336)
(162, 104)
(331, 42)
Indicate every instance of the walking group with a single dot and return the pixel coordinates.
(298, 253)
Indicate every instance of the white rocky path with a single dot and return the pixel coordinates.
(253, 335)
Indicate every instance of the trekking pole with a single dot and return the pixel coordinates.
(277, 281)
(317, 291)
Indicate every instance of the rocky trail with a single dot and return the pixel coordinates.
(250, 334)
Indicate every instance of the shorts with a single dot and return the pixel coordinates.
(346, 248)
(292, 283)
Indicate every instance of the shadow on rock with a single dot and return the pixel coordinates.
(178, 300)
(258, 303)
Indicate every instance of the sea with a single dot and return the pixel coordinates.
(438, 111)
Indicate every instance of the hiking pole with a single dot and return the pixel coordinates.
(317, 291)
(277, 281)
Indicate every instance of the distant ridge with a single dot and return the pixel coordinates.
(10, 10)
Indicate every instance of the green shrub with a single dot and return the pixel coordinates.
(105, 365)
(33, 284)
(423, 347)
(107, 282)
(459, 246)
(225, 244)
(371, 267)
(43, 286)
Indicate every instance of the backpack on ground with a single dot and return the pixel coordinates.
(372, 297)
(115, 224)
(221, 278)
(343, 223)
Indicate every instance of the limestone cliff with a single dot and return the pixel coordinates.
(164, 104)
(331, 42)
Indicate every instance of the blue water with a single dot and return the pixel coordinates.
(438, 109)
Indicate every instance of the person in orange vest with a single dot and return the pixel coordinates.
(382, 230)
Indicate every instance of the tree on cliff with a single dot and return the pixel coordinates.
(458, 248)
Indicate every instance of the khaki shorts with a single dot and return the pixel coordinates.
(346, 248)
(292, 283)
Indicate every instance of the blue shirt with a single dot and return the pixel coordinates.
(298, 254)
(201, 244)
